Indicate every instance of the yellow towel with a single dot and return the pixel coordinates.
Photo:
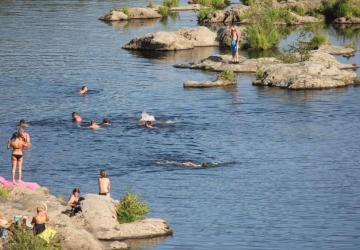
(47, 235)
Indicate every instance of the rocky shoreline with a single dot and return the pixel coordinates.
(95, 227)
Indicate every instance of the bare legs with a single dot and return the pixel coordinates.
(16, 163)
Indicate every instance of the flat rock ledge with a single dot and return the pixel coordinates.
(186, 38)
(208, 84)
(345, 20)
(320, 72)
(94, 228)
(133, 13)
(337, 50)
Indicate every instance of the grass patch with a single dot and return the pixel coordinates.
(262, 37)
(22, 238)
(171, 3)
(227, 75)
(260, 73)
(131, 208)
(340, 8)
(299, 9)
(204, 13)
(150, 4)
(317, 41)
(216, 4)
(4, 192)
(124, 9)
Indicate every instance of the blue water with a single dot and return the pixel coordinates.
(288, 173)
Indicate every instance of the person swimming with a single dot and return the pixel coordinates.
(76, 117)
(147, 120)
(93, 125)
(105, 122)
(104, 183)
(17, 143)
(186, 164)
(40, 219)
(83, 90)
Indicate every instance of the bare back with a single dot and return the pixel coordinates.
(104, 185)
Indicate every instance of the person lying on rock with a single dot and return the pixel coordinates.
(40, 219)
(104, 183)
(74, 198)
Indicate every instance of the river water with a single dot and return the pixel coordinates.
(288, 161)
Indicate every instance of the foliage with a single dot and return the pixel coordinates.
(171, 3)
(260, 73)
(248, 2)
(227, 75)
(164, 11)
(22, 238)
(288, 58)
(124, 9)
(340, 8)
(299, 9)
(204, 13)
(262, 37)
(316, 41)
(150, 4)
(4, 192)
(216, 4)
(131, 208)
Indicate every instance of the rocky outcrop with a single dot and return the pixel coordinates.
(94, 228)
(347, 20)
(186, 38)
(337, 50)
(131, 13)
(207, 84)
(187, 7)
(224, 62)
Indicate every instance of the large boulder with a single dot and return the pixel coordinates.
(347, 20)
(186, 38)
(100, 215)
(131, 13)
(337, 50)
(208, 84)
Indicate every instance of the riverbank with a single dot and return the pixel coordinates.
(94, 227)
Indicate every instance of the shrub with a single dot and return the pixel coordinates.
(288, 58)
(227, 75)
(171, 3)
(262, 38)
(150, 4)
(299, 9)
(340, 8)
(131, 208)
(23, 238)
(216, 4)
(4, 192)
(260, 73)
(163, 11)
(316, 41)
(204, 13)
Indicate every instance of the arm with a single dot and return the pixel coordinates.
(109, 186)
(71, 201)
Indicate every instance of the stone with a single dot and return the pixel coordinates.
(207, 84)
(186, 38)
(133, 13)
(345, 20)
(337, 50)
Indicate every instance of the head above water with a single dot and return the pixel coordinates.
(103, 173)
(205, 165)
(93, 122)
(83, 88)
(106, 121)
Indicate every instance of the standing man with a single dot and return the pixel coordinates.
(234, 43)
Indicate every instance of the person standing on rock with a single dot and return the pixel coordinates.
(17, 144)
(104, 183)
(234, 43)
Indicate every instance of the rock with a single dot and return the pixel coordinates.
(133, 13)
(298, 20)
(345, 20)
(207, 84)
(108, 228)
(224, 62)
(187, 7)
(224, 36)
(227, 16)
(118, 245)
(186, 38)
(337, 50)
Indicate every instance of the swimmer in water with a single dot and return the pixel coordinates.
(76, 117)
(105, 122)
(84, 90)
(148, 124)
(147, 120)
(94, 125)
(186, 164)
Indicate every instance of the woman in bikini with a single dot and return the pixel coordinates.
(17, 143)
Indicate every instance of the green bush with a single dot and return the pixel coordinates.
(262, 37)
(171, 3)
(22, 238)
(216, 4)
(131, 208)
(204, 13)
(227, 75)
(317, 41)
(288, 58)
(260, 73)
(150, 4)
(4, 192)
(248, 2)
(340, 8)
(299, 9)
(164, 11)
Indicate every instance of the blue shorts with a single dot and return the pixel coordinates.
(234, 47)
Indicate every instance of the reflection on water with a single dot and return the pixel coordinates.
(132, 24)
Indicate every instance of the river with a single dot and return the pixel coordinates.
(288, 161)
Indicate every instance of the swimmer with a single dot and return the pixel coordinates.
(76, 117)
(186, 164)
(94, 125)
(84, 90)
(17, 143)
(148, 124)
(74, 198)
(104, 183)
(105, 122)
(147, 120)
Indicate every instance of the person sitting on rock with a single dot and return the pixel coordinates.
(40, 219)
(74, 198)
(104, 183)
(84, 90)
(76, 117)
(94, 125)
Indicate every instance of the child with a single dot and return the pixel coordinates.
(104, 183)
